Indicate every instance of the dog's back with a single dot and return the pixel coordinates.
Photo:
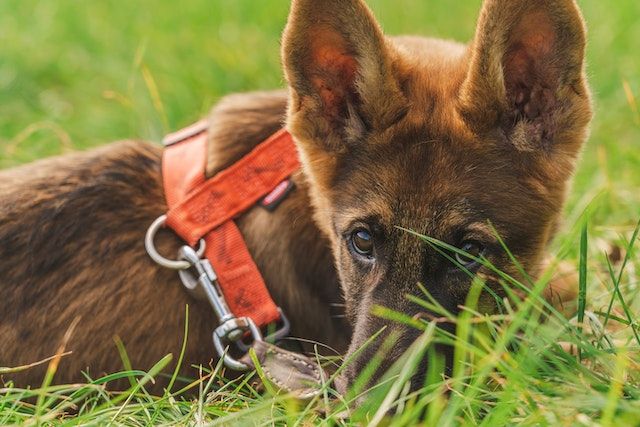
(70, 245)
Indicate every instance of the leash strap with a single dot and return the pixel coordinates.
(200, 208)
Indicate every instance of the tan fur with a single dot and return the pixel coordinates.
(448, 140)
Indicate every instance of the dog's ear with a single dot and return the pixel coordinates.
(527, 75)
(338, 66)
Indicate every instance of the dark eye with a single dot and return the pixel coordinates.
(362, 242)
(473, 249)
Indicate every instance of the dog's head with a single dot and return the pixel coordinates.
(451, 142)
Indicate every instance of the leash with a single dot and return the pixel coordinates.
(221, 269)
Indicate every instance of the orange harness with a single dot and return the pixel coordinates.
(201, 208)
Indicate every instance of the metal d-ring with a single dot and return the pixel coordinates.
(155, 255)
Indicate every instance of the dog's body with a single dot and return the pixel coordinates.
(423, 134)
(72, 244)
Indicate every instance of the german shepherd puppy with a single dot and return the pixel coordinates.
(393, 133)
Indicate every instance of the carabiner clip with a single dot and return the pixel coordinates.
(232, 329)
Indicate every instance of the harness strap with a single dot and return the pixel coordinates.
(200, 208)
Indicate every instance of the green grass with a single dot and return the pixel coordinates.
(74, 75)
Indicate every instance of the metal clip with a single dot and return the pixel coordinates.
(232, 329)
(198, 277)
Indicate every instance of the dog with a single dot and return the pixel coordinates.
(452, 141)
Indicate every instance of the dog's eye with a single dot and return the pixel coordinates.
(362, 242)
(473, 249)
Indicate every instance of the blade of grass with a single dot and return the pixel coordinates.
(21, 368)
(618, 279)
(53, 367)
(149, 376)
(126, 362)
(183, 349)
(582, 282)
(625, 307)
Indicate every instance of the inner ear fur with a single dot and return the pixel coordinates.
(338, 66)
(527, 73)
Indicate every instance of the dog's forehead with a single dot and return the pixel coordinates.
(431, 73)
(410, 184)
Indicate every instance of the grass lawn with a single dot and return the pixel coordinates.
(78, 74)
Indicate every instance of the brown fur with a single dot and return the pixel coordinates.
(405, 132)
(71, 242)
